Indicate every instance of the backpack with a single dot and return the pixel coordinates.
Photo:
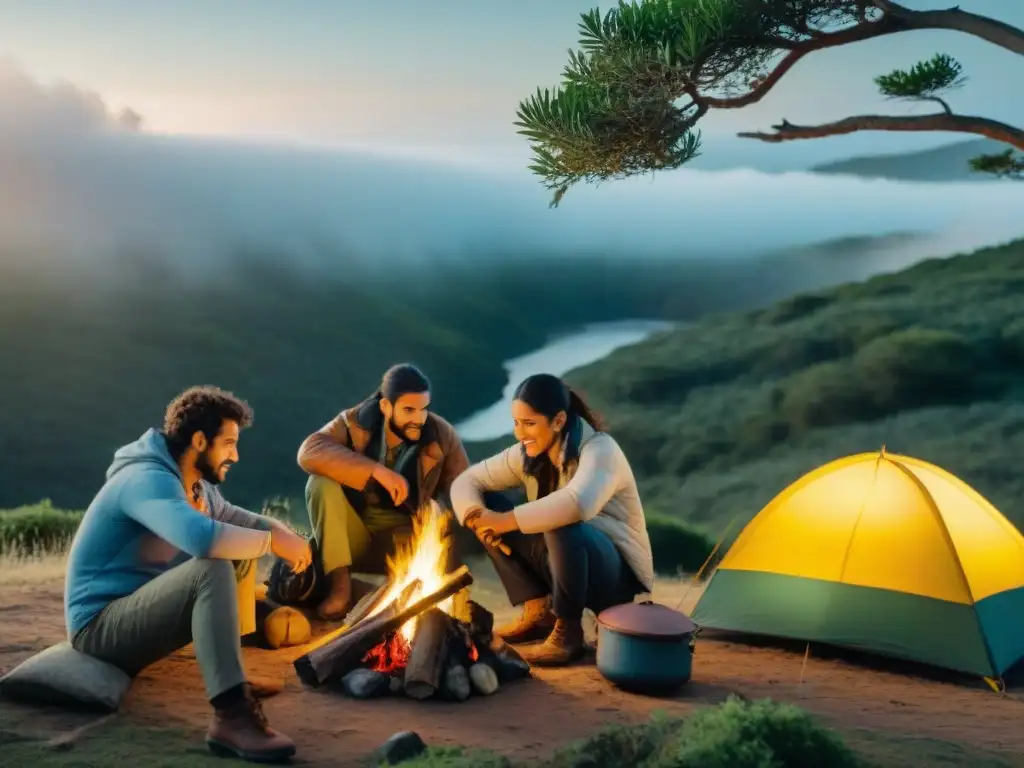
(301, 590)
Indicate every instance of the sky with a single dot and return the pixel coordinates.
(435, 78)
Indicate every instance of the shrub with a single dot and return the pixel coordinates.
(824, 395)
(910, 368)
(759, 734)
(1013, 340)
(796, 308)
(676, 546)
(455, 757)
(37, 529)
(915, 367)
(625, 745)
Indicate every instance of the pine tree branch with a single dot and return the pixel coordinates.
(938, 100)
(981, 126)
(953, 19)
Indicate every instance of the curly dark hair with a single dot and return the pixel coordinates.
(202, 409)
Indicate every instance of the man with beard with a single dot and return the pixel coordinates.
(372, 468)
(152, 566)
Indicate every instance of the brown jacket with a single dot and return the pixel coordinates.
(338, 451)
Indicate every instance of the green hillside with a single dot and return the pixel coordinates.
(720, 416)
(950, 162)
(88, 364)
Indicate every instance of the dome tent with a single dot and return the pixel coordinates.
(882, 553)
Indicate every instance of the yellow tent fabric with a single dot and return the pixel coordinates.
(872, 532)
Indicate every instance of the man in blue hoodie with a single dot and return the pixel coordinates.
(152, 565)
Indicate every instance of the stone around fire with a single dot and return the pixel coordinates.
(365, 683)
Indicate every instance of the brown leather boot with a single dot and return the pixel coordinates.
(534, 623)
(563, 646)
(242, 730)
(339, 597)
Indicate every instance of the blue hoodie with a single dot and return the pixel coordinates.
(141, 525)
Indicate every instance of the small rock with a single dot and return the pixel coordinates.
(396, 684)
(404, 745)
(365, 683)
(484, 679)
(507, 662)
(456, 682)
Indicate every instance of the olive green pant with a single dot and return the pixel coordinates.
(348, 539)
(360, 541)
(210, 603)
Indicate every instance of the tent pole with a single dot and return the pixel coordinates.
(803, 667)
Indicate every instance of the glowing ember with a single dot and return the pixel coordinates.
(423, 557)
(389, 656)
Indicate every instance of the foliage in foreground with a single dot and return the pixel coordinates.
(649, 71)
(735, 734)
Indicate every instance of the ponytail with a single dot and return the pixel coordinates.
(579, 407)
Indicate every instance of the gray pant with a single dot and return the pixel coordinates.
(195, 602)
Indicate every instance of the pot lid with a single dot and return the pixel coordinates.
(646, 620)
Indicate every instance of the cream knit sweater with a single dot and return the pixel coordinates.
(601, 492)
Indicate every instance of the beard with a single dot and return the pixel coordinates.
(401, 431)
(207, 471)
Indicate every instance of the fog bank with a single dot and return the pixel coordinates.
(83, 188)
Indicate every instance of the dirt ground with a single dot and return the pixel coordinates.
(532, 717)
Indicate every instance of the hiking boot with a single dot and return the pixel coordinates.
(534, 623)
(264, 688)
(339, 597)
(241, 730)
(563, 646)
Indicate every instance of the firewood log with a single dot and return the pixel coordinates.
(365, 605)
(346, 648)
(425, 666)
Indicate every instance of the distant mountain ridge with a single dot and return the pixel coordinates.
(949, 162)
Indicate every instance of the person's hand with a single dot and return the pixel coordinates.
(396, 485)
(495, 522)
(292, 548)
(472, 520)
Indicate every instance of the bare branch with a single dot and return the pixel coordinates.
(994, 31)
(981, 126)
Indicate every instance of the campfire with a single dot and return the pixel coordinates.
(418, 634)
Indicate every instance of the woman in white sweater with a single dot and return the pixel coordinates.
(580, 541)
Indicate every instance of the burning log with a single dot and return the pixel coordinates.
(365, 605)
(345, 650)
(425, 667)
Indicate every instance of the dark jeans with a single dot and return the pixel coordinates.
(577, 565)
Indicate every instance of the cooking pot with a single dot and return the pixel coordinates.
(645, 647)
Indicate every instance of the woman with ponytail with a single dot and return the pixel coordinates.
(580, 540)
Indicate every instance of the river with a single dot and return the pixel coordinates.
(561, 354)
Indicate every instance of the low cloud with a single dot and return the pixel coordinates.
(83, 188)
(31, 109)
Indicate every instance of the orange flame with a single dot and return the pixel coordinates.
(423, 557)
